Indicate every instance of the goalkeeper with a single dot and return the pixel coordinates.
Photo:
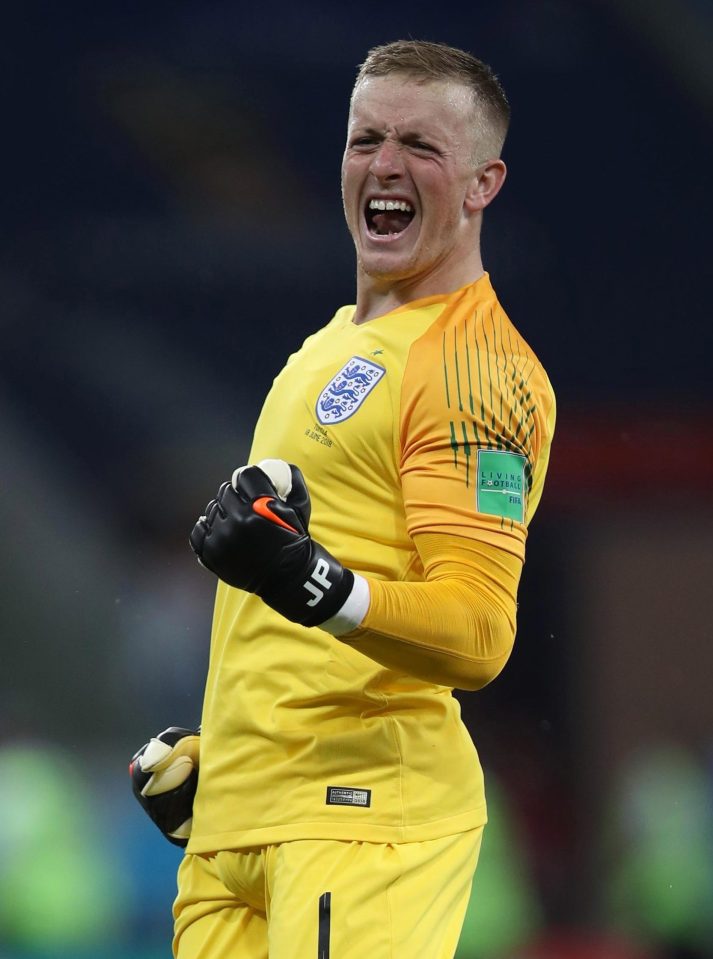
(368, 560)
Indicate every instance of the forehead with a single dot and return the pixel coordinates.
(439, 107)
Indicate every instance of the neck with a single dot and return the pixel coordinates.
(379, 295)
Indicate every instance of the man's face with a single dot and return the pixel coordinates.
(407, 169)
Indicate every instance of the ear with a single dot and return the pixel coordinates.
(485, 185)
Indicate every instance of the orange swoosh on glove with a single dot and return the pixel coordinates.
(262, 509)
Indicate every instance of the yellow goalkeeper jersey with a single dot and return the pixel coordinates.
(436, 417)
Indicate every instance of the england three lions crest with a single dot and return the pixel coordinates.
(345, 393)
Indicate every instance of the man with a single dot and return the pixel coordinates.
(340, 803)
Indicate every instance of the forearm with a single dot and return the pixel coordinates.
(457, 628)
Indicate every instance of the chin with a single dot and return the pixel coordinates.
(386, 270)
(386, 264)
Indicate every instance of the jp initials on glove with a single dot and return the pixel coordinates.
(254, 536)
(164, 777)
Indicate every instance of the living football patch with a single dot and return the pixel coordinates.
(500, 485)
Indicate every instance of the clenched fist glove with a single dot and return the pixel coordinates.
(254, 536)
(164, 777)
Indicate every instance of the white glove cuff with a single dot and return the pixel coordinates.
(353, 610)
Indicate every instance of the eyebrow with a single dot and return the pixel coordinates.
(410, 134)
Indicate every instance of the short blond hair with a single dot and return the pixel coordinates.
(426, 62)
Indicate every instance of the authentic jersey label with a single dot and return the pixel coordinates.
(342, 796)
(500, 486)
(345, 393)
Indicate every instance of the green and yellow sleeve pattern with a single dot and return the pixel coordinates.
(477, 414)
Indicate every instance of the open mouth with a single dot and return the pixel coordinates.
(388, 217)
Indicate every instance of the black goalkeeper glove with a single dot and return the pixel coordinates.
(254, 536)
(164, 777)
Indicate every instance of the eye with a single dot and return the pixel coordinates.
(422, 146)
(363, 142)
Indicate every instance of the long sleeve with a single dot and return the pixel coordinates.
(458, 627)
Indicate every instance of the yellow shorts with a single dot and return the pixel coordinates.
(326, 899)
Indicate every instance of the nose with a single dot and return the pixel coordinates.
(387, 162)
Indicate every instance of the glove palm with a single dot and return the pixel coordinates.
(164, 778)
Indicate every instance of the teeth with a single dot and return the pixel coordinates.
(391, 205)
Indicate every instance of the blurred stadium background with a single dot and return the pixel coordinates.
(171, 231)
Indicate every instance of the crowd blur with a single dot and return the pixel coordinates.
(172, 231)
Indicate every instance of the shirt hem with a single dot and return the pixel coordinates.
(349, 831)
